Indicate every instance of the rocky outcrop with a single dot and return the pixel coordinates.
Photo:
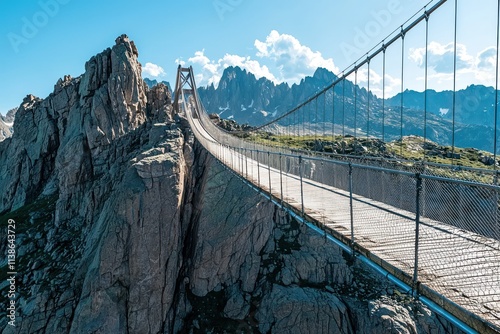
(153, 82)
(9, 117)
(129, 226)
(102, 162)
(160, 97)
(6, 124)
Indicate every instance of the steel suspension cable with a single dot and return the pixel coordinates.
(324, 115)
(368, 105)
(354, 67)
(383, 95)
(426, 82)
(302, 122)
(355, 103)
(496, 95)
(343, 110)
(454, 86)
(315, 120)
(402, 88)
(295, 128)
(333, 113)
(308, 118)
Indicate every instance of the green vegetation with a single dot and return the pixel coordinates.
(31, 231)
(410, 151)
(35, 214)
(44, 267)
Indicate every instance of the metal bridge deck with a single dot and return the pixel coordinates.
(387, 235)
(383, 231)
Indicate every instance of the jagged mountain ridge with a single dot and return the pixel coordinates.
(9, 116)
(240, 96)
(473, 127)
(474, 105)
(6, 123)
(153, 82)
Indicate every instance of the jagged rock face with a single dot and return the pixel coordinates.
(27, 159)
(82, 115)
(161, 98)
(151, 83)
(102, 148)
(135, 246)
(9, 117)
(112, 93)
(6, 124)
(5, 131)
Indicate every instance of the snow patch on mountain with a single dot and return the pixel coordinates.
(443, 111)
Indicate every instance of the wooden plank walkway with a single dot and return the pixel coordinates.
(460, 265)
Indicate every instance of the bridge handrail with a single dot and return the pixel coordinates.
(476, 204)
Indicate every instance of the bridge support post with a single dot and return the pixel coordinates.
(231, 152)
(269, 173)
(301, 186)
(240, 161)
(281, 181)
(417, 232)
(251, 158)
(246, 163)
(351, 207)
(258, 170)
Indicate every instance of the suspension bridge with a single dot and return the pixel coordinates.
(432, 227)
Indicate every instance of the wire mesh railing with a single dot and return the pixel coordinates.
(438, 232)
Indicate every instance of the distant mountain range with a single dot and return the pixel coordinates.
(242, 97)
(6, 123)
(152, 82)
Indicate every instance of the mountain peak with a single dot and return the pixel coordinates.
(124, 40)
(324, 74)
(232, 72)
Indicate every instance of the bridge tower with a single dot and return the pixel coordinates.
(185, 91)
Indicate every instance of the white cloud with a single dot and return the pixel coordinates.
(486, 62)
(179, 61)
(486, 59)
(392, 85)
(248, 64)
(293, 60)
(441, 57)
(211, 70)
(153, 70)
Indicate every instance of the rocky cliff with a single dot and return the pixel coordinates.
(6, 124)
(126, 225)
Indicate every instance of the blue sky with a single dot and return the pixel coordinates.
(41, 41)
